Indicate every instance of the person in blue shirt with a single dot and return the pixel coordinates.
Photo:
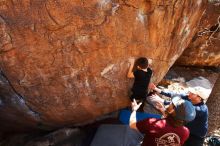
(199, 126)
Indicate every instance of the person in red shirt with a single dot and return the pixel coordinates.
(168, 131)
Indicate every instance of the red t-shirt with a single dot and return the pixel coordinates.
(158, 132)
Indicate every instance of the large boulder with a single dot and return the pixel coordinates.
(204, 50)
(67, 60)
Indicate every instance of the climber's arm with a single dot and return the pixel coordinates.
(130, 71)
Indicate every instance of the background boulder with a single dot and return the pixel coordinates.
(204, 50)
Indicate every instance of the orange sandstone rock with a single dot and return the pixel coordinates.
(68, 60)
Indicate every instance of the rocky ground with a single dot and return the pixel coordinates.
(215, 134)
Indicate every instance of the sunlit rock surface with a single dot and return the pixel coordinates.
(204, 50)
(66, 61)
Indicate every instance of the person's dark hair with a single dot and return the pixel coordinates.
(142, 62)
(174, 122)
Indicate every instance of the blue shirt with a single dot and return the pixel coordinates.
(199, 126)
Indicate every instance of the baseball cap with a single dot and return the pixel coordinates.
(184, 109)
(200, 91)
(200, 86)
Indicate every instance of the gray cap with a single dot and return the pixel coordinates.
(200, 91)
(200, 86)
(184, 109)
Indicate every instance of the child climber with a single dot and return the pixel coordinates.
(140, 71)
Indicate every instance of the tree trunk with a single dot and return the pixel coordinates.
(214, 108)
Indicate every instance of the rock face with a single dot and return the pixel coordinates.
(67, 60)
(213, 105)
(204, 50)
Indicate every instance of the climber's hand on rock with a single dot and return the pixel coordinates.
(150, 61)
(131, 60)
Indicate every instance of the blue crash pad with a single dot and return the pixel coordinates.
(124, 116)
